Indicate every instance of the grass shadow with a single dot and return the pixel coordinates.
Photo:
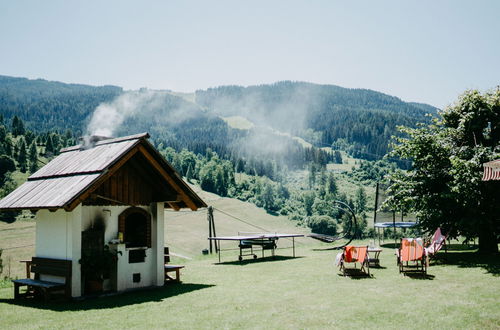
(258, 260)
(356, 274)
(113, 301)
(338, 248)
(378, 267)
(390, 245)
(418, 275)
(469, 259)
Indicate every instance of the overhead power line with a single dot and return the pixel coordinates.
(248, 223)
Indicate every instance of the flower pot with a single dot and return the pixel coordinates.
(93, 286)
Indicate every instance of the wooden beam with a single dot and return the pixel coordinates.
(174, 206)
(95, 196)
(185, 198)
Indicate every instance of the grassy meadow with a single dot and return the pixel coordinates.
(461, 291)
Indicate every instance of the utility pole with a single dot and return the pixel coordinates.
(211, 229)
(210, 215)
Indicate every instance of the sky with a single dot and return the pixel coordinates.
(421, 51)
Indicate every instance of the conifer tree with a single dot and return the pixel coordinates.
(22, 158)
(7, 144)
(189, 173)
(337, 157)
(17, 127)
(29, 136)
(3, 133)
(49, 146)
(312, 175)
(33, 157)
(331, 185)
(7, 164)
(360, 200)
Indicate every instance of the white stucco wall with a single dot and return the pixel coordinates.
(53, 234)
(58, 235)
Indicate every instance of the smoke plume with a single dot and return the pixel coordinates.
(108, 117)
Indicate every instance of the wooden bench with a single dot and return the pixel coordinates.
(45, 266)
(171, 268)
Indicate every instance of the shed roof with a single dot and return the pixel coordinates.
(76, 173)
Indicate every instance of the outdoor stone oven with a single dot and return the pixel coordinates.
(109, 195)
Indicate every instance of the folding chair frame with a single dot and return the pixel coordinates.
(365, 265)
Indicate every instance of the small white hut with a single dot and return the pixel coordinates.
(110, 192)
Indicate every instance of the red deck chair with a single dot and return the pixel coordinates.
(411, 255)
(355, 254)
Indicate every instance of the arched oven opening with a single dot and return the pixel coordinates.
(135, 225)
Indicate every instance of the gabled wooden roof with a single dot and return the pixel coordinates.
(127, 170)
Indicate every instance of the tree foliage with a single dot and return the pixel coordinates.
(7, 164)
(444, 185)
(323, 224)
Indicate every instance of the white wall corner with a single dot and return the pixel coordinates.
(75, 218)
(158, 243)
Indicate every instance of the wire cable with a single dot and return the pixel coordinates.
(248, 223)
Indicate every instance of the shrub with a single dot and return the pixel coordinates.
(322, 224)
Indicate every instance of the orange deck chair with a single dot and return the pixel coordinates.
(355, 254)
(411, 255)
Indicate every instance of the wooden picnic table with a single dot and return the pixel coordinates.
(374, 254)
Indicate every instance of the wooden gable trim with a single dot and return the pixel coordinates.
(106, 174)
(185, 198)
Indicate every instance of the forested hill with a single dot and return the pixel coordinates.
(357, 120)
(322, 114)
(48, 105)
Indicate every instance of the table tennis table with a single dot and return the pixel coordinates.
(266, 241)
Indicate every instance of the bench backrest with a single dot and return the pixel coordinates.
(166, 257)
(48, 266)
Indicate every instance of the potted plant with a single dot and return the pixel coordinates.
(96, 266)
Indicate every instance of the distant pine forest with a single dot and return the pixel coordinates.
(356, 120)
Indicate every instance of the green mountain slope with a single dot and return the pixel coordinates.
(361, 121)
(322, 114)
(47, 105)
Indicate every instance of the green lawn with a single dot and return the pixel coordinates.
(17, 240)
(306, 292)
